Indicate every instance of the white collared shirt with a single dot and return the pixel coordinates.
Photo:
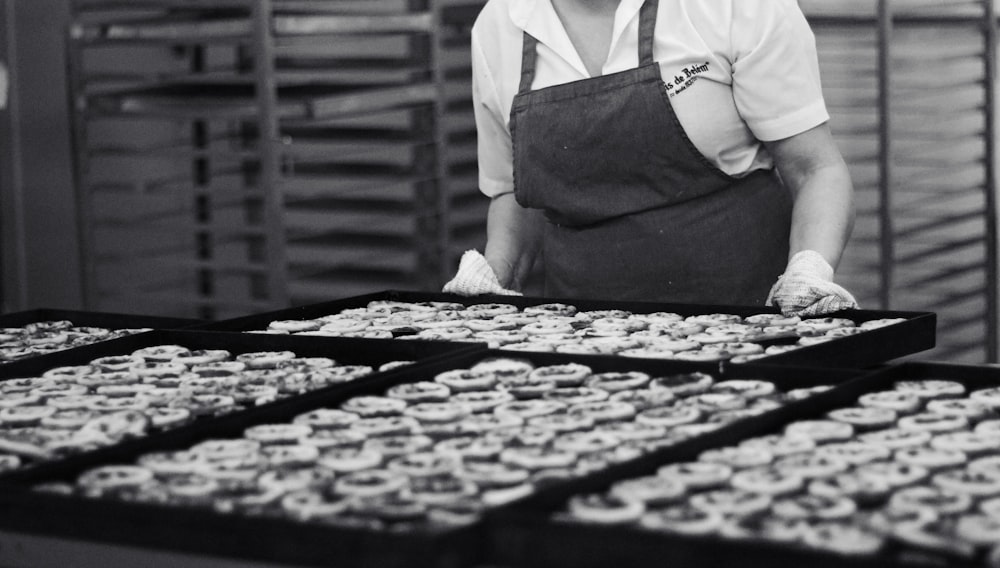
(739, 72)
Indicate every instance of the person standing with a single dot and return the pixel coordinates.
(657, 150)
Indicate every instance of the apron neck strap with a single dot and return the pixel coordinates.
(647, 31)
(647, 34)
(529, 53)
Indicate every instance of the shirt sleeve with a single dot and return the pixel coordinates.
(776, 81)
(494, 149)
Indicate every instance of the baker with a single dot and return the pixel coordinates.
(658, 150)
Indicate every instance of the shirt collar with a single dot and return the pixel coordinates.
(627, 11)
(521, 10)
(539, 19)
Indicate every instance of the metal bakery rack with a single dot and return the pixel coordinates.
(910, 85)
(249, 155)
(466, 206)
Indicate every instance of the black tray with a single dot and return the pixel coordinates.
(915, 334)
(110, 321)
(525, 536)
(276, 540)
(247, 538)
(345, 350)
(95, 319)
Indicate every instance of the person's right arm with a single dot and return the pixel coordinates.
(513, 233)
(513, 238)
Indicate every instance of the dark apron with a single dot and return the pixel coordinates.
(635, 211)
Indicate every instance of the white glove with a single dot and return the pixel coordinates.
(475, 277)
(806, 289)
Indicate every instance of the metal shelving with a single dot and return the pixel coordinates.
(260, 154)
(467, 206)
(911, 89)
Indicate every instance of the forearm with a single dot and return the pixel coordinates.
(823, 214)
(513, 238)
(816, 174)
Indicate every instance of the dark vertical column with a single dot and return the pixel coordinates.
(990, 184)
(886, 229)
(12, 287)
(441, 202)
(273, 287)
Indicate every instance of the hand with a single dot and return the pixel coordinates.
(806, 289)
(475, 277)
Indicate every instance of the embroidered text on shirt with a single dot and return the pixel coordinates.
(686, 79)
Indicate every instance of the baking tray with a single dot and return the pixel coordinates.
(111, 321)
(277, 540)
(245, 538)
(915, 334)
(524, 535)
(345, 350)
(95, 319)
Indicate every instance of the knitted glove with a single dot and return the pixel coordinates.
(475, 277)
(806, 289)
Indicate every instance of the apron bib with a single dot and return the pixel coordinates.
(635, 211)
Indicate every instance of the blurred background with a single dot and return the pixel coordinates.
(212, 159)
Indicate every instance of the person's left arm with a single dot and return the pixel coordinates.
(813, 169)
(822, 218)
(777, 89)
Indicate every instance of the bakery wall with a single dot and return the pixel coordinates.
(926, 248)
